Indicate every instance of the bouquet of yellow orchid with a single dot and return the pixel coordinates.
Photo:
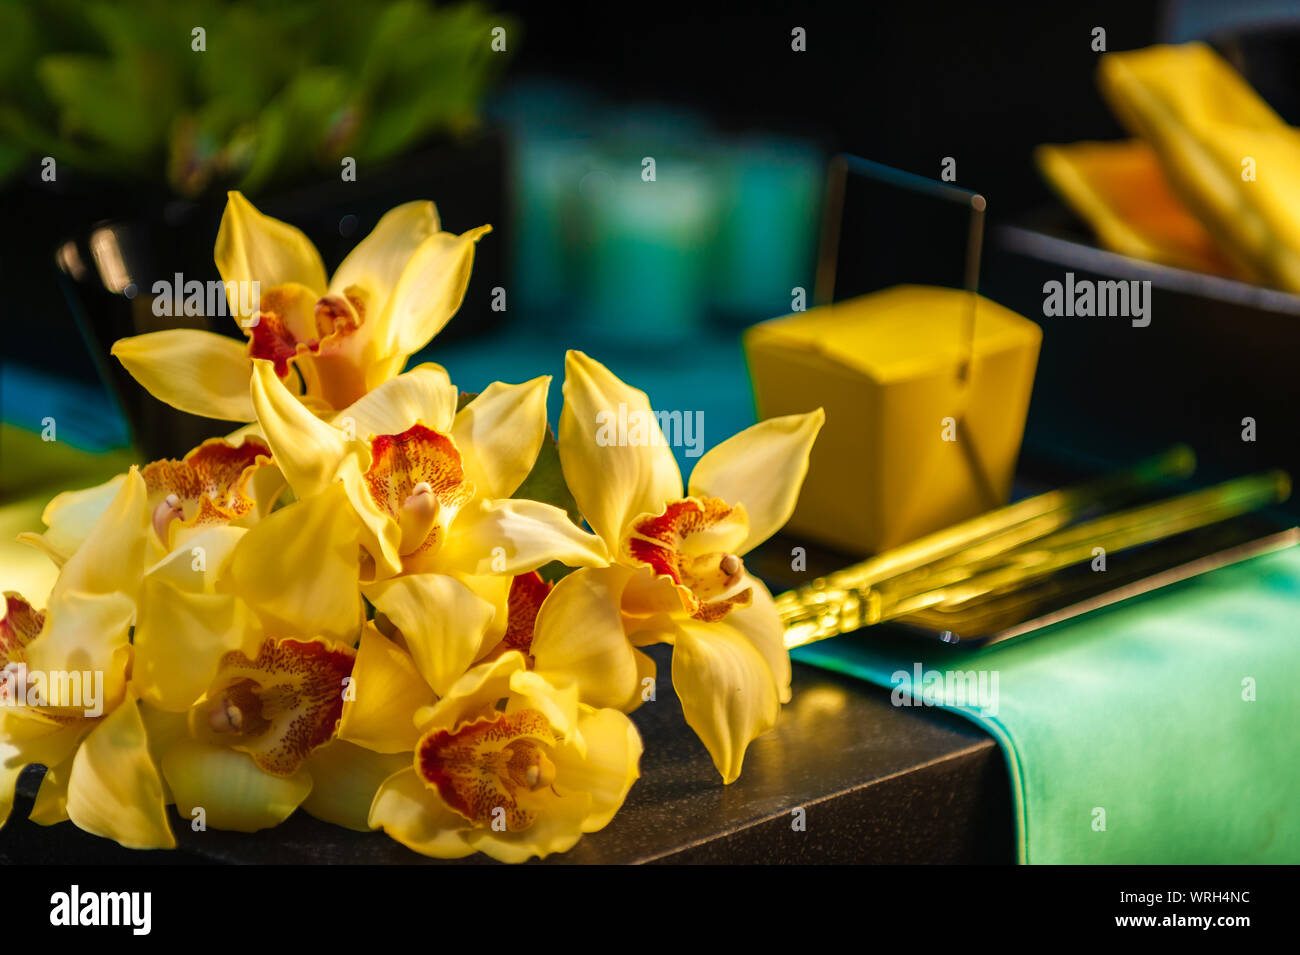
(338, 606)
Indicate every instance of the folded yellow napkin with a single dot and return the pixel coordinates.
(1121, 191)
(1212, 181)
(1228, 156)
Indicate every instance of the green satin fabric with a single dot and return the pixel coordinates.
(1130, 733)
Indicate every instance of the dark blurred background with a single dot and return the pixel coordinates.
(659, 284)
(901, 83)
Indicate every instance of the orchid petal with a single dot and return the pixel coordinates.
(93, 602)
(612, 480)
(726, 688)
(611, 763)
(25, 741)
(308, 450)
(70, 516)
(298, 568)
(229, 788)
(517, 536)
(198, 372)
(762, 467)
(429, 291)
(313, 455)
(345, 779)
(252, 247)
(414, 815)
(424, 394)
(112, 556)
(378, 260)
(557, 828)
(442, 621)
(163, 730)
(499, 434)
(386, 692)
(195, 566)
(180, 638)
(578, 637)
(487, 681)
(114, 789)
(761, 624)
(51, 804)
(86, 633)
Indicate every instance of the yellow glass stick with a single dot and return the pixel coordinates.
(844, 601)
(1179, 461)
(1113, 533)
(1015, 611)
(833, 595)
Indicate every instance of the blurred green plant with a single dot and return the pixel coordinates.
(281, 87)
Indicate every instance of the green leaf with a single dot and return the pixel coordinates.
(545, 482)
(554, 571)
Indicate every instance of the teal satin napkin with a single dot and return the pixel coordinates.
(1165, 729)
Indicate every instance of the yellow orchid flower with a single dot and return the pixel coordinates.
(219, 483)
(245, 760)
(446, 628)
(431, 488)
(244, 670)
(678, 574)
(99, 770)
(418, 659)
(504, 763)
(389, 297)
(524, 600)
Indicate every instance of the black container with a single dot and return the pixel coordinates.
(1216, 352)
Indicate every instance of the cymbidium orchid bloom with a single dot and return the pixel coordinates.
(219, 483)
(343, 337)
(244, 669)
(246, 757)
(678, 573)
(503, 763)
(431, 487)
(100, 772)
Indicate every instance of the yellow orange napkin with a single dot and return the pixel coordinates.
(1226, 156)
(1121, 191)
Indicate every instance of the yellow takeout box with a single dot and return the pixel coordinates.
(894, 460)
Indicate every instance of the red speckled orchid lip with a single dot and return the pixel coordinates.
(417, 478)
(277, 707)
(288, 325)
(20, 626)
(208, 486)
(527, 592)
(492, 763)
(692, 543)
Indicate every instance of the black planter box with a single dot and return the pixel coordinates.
(1216, 351)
